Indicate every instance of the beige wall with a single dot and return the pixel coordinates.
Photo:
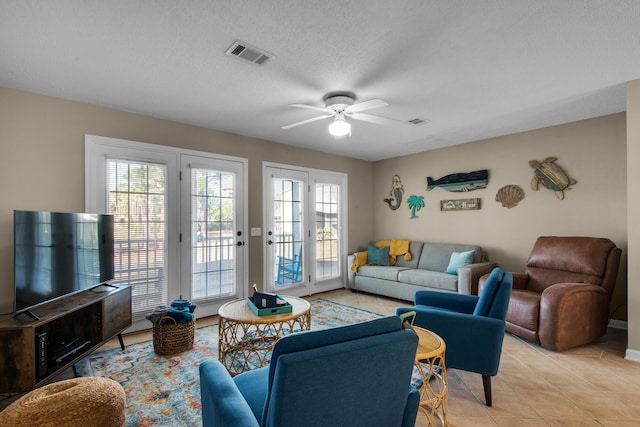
(633, 183)
(591, 151)
(42, 165)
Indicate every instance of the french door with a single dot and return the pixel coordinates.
(212, 229)
(179, 222)
(305, 217)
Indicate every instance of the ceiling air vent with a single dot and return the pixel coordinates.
(418, 121)
(250, 53)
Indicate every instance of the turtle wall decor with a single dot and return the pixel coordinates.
(550, 175)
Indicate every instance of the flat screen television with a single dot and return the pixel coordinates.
(57, 254)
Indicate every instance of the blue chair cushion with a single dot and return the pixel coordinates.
(254, 386)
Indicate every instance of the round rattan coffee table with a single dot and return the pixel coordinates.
(245, 339)
(430, 364)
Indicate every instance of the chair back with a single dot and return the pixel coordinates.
(590, 260)
(494, 298)
(354, 375)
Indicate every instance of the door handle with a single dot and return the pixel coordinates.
(270, 242)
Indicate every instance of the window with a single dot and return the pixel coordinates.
(137, 200)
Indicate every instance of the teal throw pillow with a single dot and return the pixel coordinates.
(378, 256)
(460, 259)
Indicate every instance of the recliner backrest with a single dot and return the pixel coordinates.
(574, 260)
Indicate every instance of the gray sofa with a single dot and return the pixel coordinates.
(425, 270)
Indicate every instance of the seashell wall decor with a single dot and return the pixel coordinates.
(510, 195)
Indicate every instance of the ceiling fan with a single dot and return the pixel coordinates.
(340, 106)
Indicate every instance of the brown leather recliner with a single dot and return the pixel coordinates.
(562, 300)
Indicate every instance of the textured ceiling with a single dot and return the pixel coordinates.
(474, 69)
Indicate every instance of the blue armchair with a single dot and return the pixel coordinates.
(471, 326)
(356, 375)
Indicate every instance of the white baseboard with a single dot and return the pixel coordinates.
(633, 355)
(618, 324)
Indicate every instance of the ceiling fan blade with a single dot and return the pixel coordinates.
(376, 119)
(304, 122)
(311, 107)
(367, 105)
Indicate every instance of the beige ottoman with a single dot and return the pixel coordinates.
(85, 401)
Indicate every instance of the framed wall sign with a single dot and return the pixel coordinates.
(460, 205)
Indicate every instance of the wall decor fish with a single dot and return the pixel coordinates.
(396, 193)
(458, 182)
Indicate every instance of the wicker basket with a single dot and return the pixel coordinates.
(170, 337)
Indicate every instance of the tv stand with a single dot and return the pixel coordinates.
(28, 313)
(82, 321)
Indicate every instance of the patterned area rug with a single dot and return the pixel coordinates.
(165, 390)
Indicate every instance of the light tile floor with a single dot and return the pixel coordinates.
(592, 385)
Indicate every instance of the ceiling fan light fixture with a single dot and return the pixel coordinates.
(339, 127)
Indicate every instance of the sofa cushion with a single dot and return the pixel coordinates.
(415, 249)
(459, 259)
(436, 256)
(430, 279)
(381, 272)
(378, 256)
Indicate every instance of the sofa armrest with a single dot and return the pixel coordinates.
(351, 276)
(222, 403)
(572, 314)
(469, 276)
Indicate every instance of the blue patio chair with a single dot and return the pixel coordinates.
(290, 269)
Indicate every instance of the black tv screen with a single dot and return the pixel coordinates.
(57, 254)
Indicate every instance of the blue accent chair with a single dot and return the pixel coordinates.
(356, 375)
(471, 326)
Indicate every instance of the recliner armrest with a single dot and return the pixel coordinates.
(572, 314)
(222, 403)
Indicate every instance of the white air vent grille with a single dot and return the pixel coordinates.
(418, 121)
(249, 53)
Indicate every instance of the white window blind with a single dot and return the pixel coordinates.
(137, 197)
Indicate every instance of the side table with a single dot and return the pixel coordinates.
(245, 340)
(433, 372)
